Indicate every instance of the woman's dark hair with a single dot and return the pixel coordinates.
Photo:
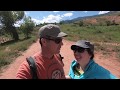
(90, 53)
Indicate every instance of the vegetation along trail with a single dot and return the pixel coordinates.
(111, 63)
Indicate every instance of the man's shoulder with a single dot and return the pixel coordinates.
(37, 54)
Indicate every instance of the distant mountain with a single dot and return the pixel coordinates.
(89, 17)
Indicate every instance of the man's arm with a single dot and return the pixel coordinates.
(24, 71)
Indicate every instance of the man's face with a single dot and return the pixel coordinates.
(54, 45)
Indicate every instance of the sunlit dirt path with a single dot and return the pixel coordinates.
(110, 63)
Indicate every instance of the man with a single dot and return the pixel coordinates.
(48, 61)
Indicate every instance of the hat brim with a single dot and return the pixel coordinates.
(73, 47)
(62, 34)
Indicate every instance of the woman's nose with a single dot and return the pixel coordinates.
(76, 52)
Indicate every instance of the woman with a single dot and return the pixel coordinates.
(84, 67)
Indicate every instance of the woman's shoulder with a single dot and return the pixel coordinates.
(102, 72)
(74, 62)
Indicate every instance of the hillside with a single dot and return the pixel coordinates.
(112, 17)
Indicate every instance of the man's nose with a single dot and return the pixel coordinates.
(61, 42)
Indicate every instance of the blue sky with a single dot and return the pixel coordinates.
(57, 16)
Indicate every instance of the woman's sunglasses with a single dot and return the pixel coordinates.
(78, 49)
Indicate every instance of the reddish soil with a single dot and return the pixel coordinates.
(111, 63)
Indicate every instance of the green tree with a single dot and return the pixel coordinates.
(27, 26)
(81, 23)
(108, 23)
(8, 19)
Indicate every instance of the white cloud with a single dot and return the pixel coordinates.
(67, 15)
(56, 11)
(0, 25)
(85, 11)
(36, 21)
(48, 19)
(103, 12)
(27, 13)
(51, 19)
(18, 23)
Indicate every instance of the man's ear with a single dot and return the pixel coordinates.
(43, 41)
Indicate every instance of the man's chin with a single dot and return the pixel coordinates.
(58, 52)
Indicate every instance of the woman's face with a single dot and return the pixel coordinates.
(81, 55)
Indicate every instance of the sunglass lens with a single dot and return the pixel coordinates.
(79, 49)
(57, 41)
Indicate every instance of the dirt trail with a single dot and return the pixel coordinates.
(110, 63)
